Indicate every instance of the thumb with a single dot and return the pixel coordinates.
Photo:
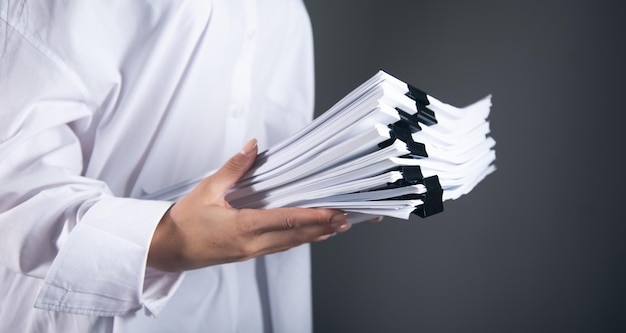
(226, 176)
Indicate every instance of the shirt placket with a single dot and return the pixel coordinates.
(237, 124)
(241, 84)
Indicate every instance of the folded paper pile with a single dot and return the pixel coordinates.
(386, 149)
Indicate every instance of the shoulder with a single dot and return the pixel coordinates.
(85, 25)
(95, 40)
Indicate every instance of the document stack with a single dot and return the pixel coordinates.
(385, 149)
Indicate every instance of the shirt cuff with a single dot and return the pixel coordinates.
(101, 269)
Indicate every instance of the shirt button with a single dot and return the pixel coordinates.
(251, 34)
(237, 111)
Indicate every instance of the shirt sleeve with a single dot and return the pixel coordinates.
(101, 268)
(88, 246)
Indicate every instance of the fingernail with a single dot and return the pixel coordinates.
(322, 238)
(339, 218)
(340, 222)
(249, 147)
(343, 227)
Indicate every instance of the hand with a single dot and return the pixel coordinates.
(203, 230)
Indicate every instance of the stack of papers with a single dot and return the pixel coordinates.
(385, 149)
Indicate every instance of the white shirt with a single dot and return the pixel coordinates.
(102, 102)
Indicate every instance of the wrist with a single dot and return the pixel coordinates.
(164, 253)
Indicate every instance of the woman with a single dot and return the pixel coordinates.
(102, 102)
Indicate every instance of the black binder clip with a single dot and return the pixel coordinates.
(410, 119)
(433, 198)
(411, 175)
(417, 95)
(402, 131)
(424, 114)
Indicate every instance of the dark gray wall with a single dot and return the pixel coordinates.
(537, 246)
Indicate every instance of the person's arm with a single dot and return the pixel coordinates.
(87, 246)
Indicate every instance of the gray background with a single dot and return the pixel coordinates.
(537, 246)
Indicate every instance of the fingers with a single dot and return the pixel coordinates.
(283, 228)
(193, 236)
(272, 242)
(285, 219)
(225, 177)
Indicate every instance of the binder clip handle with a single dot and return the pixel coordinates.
(433, 198)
